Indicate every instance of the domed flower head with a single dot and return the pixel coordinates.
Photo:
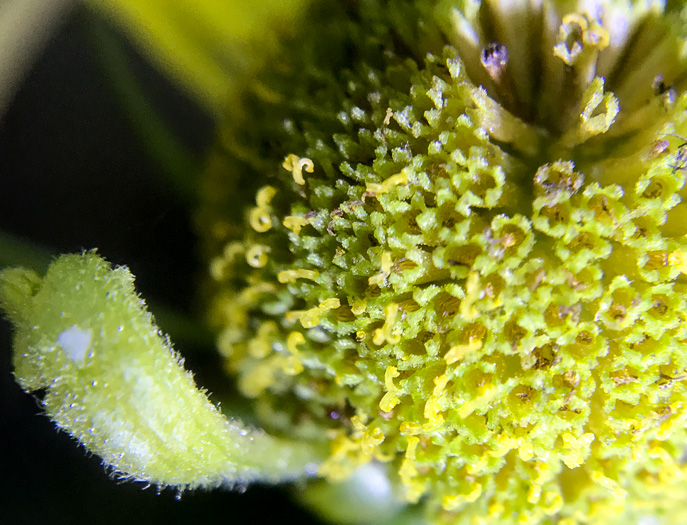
(466, 256)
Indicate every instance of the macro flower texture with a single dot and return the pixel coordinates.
(461, 261)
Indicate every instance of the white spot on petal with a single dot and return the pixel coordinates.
(75, 342)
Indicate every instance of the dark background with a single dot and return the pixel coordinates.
(75, 175)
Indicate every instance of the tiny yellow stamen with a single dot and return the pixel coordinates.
(290, 276)
(387, 185)
(390, 400)
(387, 117)
(594, 37)
(295, 223)
(294, 339)
(458, 352)
(358, 423)
(330, 304)
(432, 406)
(294, 315)
(293, 364)
(358, 307)
(467, 308)
(256, 255)
(232, 249)
(386, 265)
(264, 196)
(296, 165)
(371, 440)
(504, 444)
(260, 219)
(386, 332)
(487, 393)
(407, 472)
(453, 501)
(311, 318)
(408, 428)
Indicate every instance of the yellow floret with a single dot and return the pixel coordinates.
(293, 364)
(260, 219)
(408, 428)
(385, 264)
(290, 276)
(295, 223)
(386, 332)
(453, 501)
(390, 400)
(358, 307)
(504, 444)
(432, 407)
(488, 392)
(472, 293)
(296, 165)
(371, 440)
(264, 196)
(408, 472)
(388, 184)
(458, 352)
(311, 318)
(256, 255)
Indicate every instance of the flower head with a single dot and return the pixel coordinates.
(466, 260)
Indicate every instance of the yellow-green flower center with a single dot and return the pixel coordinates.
(468, 261)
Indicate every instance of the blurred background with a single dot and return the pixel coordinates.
(104, 117)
